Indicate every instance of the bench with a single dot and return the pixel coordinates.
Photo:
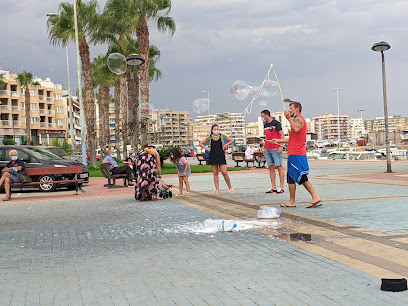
(260, 158)
(201, 158)
(250, 160)
(46, 177)
(238, 157)
(112, 177)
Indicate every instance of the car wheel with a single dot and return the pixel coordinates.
(46, 186)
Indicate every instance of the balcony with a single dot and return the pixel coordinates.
(43, 111)
(15, 94)
(43, 124)
(15, 108)
(52, 125)
(41, 97)
(4, 92)
(6, 122)
(16, 123)
(50, 99)
(5, 107)
(51, 112)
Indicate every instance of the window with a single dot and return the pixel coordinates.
(22, 91)
(22, 105)
(59, 109)
(60, 122)
(33, 106)
(21, 155)
(58, 97)
(33, 92)
(34, 120)
(23, 119)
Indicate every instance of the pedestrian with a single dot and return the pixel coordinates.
(115, 169)
(217, 155)
(273, 151)
(298, 168)
(183, 169)
(148, 171)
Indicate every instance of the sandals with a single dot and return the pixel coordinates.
(231, 191)
(188, 194)
(179, 195)
(215, 192)
(314, 205)
(7, 199)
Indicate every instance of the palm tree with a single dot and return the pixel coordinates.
(26, 81)
(2, 83)
(61, 31)
(133, 15)
(103, 78)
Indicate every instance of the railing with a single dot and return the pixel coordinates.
(16, 123)
(50, 99)
(51, 125)
(43, 124)
(6, 122)
(51, 112)
(43, 111)
(15, 108)
(4, 93)
(41, 97)
(5, 107)
(15, 94)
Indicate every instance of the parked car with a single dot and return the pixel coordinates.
(57, 151)
(36, 157)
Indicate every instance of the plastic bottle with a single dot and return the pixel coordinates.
(266, 212)
(220, 225)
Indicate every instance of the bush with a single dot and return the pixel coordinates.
(164, 153)
(9, 142)
(25, 142)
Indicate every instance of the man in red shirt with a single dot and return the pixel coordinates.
(298, 168)
(273, 151)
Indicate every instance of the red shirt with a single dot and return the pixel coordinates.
(297, 141)
(272, 130)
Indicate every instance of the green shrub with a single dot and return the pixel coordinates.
(9, 142)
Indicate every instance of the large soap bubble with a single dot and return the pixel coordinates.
(145, 110)
(201, 105)
(240, 90)
(117, 63)
(270, 89)
(155, 124)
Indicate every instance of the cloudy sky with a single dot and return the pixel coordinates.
(315, 46)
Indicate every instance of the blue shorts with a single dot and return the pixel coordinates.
(273, 157)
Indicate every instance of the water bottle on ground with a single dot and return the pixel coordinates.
(220, 225)
(266, 212)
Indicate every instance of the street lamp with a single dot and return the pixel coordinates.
(71, 119)
(208, 97)
(134, 60)
(381, 47)
(338, 112)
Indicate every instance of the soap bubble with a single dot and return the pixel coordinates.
(270, 88)
(240, 90)
(154, 124)
(262, 102)
(145, 110)
(201, 105)
(117, 63)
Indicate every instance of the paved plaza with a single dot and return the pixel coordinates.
(104, 248)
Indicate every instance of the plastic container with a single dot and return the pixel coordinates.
(266, 212)
(220, 225)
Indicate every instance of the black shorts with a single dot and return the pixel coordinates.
(302, 180)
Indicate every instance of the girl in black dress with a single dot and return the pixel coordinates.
(217, 155)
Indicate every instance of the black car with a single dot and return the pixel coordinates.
(36, 157)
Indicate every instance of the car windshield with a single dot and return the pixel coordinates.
(44, 155)
(57, 151)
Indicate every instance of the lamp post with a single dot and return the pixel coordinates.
(338, 113)
(71, 112)
(134, 60)
(381, 47)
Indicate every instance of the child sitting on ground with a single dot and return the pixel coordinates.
(183, 169)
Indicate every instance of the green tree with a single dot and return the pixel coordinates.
(26, 81)
(2, 83)
(61, 31)
(132, 16)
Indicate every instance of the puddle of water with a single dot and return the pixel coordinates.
(293, 237)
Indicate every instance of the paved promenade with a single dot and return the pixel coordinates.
(104, 248)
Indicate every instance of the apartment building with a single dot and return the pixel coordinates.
(171, 128)
(48, 111)
(395, 124)
(76, 118)
(357, 127)
(328, 126)
(231, 124)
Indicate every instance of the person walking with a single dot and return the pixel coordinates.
(273, 151)
(217, 155)
(183, 170)
(298, 167)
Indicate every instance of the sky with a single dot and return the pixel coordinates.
(315, 46)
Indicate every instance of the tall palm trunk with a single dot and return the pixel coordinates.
(125, 110)
(133, 129)
(89, 105)
(104, 118)
(142, 33)
(117, 117)
(28, 115)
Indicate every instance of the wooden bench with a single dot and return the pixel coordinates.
(260, 158)
(46, 177)
(250, 160)
(201, 158)
(112, 177)
(238, 157)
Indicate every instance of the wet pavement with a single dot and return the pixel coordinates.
(104, 248)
